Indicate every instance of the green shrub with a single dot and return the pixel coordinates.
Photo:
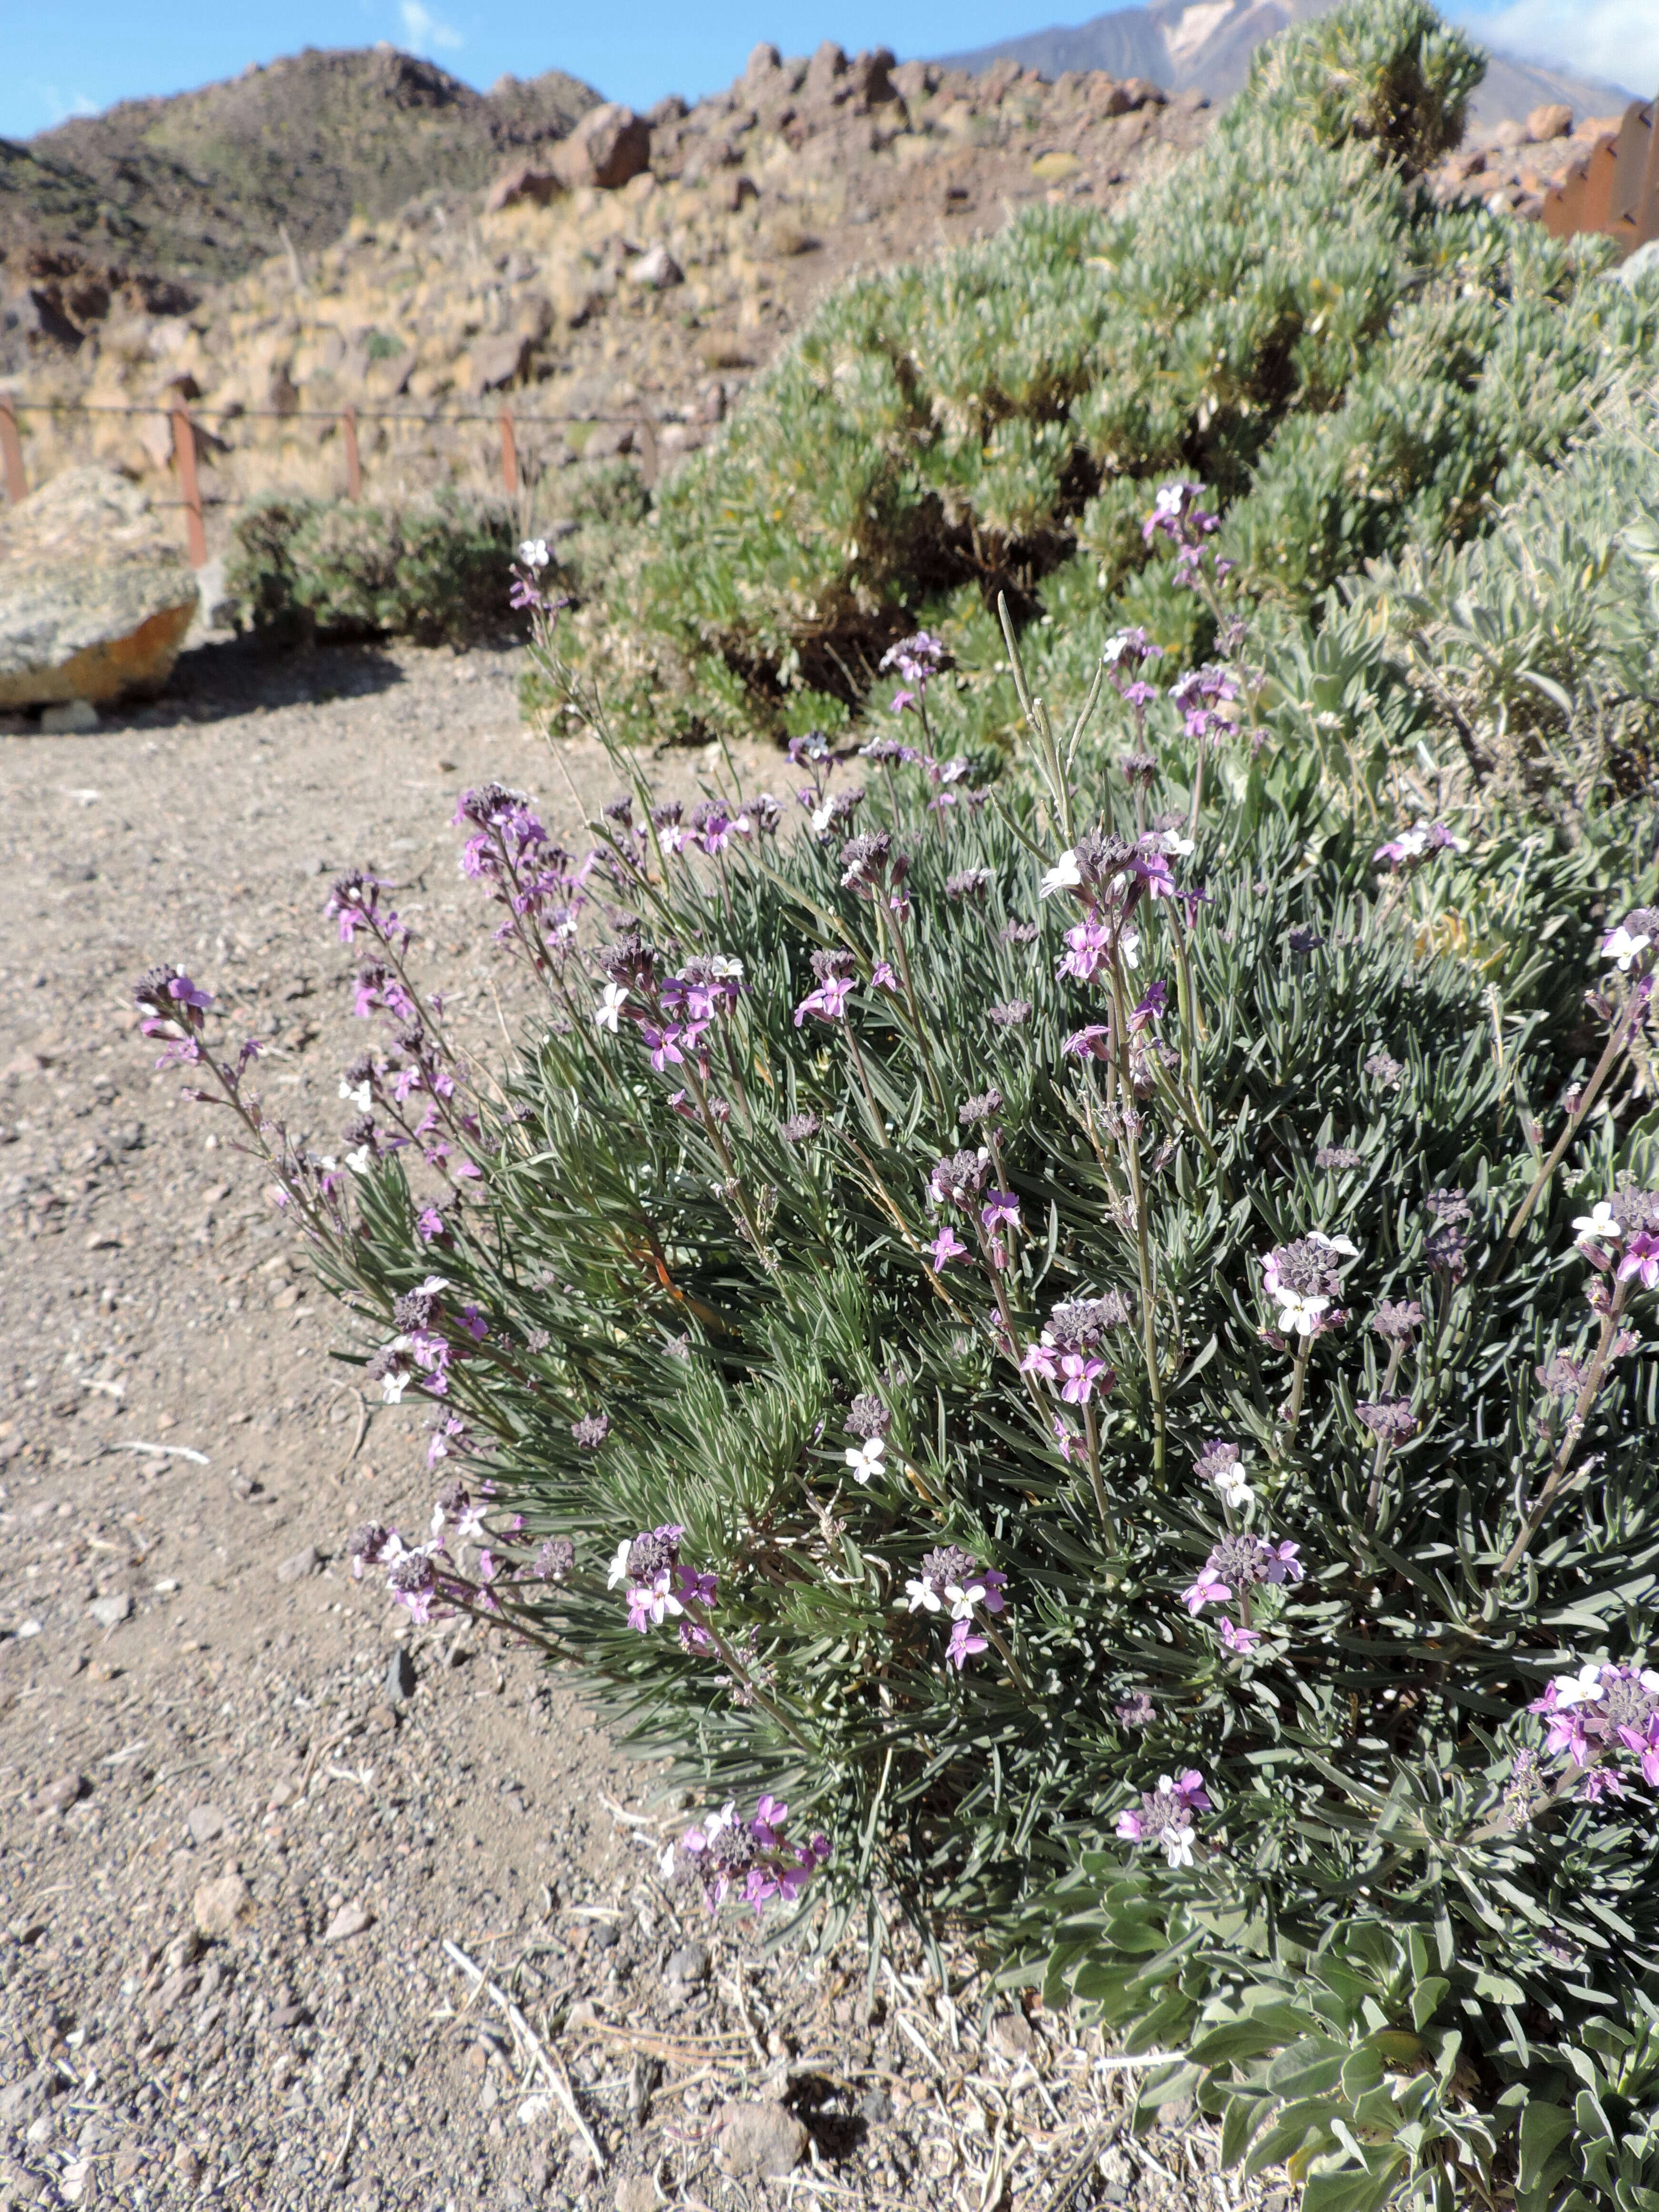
(434, 569)
(1520, 670)
(772, 1274)
(1288, 318)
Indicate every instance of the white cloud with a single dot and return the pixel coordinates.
(57, 105)
(1617, 39)
(424, 32)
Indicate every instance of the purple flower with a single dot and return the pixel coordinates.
(963, 1645)
(1152, 1008)
(1177, 515)
(1011, 1016)
(1641, 1258)
(1236, 1637)
(663, 1045)
(1081, 1375)
(695, 1588)
(1164, 1816)
(829, 1001)
(1041, 1360)
(881, 977)
(1206, 1591)
(1001, 1210)
(1088, 945)
(591, 1431)
(752, 1857)
(946, 1247)
(1091, 1044)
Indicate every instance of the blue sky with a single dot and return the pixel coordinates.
(61, 59)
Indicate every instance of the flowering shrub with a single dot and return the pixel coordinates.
(1073, 1340)
(1352, 368)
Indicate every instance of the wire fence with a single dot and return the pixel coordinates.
(183, 417)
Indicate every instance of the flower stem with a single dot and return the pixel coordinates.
(1373, 1496)
(1298, 1384)
(1092, 1431)
(1618, 1040)
(1586, 1398)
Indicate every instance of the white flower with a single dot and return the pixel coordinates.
(1128, 948)
(1345, 1245)
(725, 968)
(393, 1385)
(1584, 1688)
(1598, 1226)
(619, 1565)
(358, 1162)
(1299, 1314)
(655, 1600)
(963, 1602)
(823, 816)
(864, 1459)
(922, 1595)
(1177, 1846)
(533, 553)
(1619, 945)
(360, 1095)
(1064, 876)
(671, 839)
(1172, 842)
(605, 1013)
(1234, 1489)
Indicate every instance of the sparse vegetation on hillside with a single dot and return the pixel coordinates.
(200, 186)
(1289, 319)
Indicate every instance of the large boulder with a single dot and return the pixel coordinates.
(96, 595)
(608, 147)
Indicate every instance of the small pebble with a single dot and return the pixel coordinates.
(689, 1964)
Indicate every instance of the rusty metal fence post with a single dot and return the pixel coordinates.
(354, 464)
(183, 459)
(11, 454)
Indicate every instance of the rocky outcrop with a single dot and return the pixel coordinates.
(95, 596)
(610, 146)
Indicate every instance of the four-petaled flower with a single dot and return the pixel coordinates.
(1064, 876)
(1299, 1313)
(1081, 1373)
(663, 1046)
(1206, 1591)
(866, 1459)
(1600, 1225)
(1001, 1210)
(1641, 1258)
(1621, 945)
(946, 1246)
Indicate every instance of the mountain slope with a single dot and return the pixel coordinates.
(199, 186)
(1206, 44)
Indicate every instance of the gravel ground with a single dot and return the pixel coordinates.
(297, 1905)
